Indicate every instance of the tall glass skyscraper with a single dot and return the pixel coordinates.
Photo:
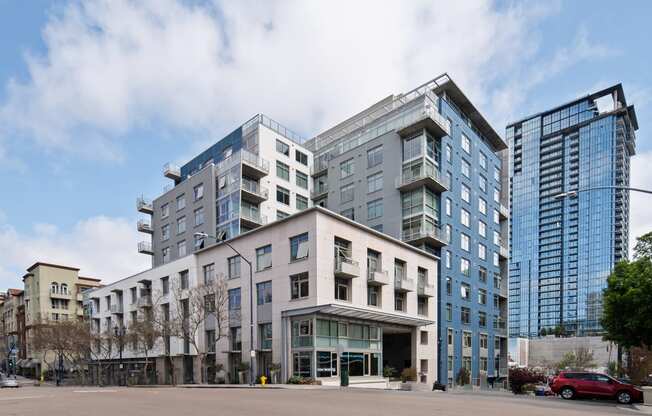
(564, 248)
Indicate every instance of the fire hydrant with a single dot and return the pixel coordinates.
(263, 380)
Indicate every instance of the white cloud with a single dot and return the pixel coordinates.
(101, 247)
(114, 66)
(640, 212)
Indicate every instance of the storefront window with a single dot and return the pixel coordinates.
(302, 363)
(326, 364)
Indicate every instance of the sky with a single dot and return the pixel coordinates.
(96, 96)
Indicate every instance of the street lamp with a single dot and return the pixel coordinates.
(221, 237)
(573, 194)
(119, 332)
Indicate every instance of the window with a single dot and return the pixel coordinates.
(482, 183)
(373, 296)
(482, 274)
(265, 331)
(280, 215)
(466, 168)
(374, 209)
(482, 229)
(199, 242)
(348, 213)
(347, 168)
(467, 339)
(299, 286)
(466, 143)
(424, 337)
(375, 156)
(234, 299)
(482, 319)
(347, 192)
(449, 286)
(422, 306)
(234, 264)
(236, 339)
(199, 216)
(301, 202)
(342, 289)
(134, 295)
(482, 206)
(302, 180)
(209, 273)
(264, 292)
(496, 260)
(301, 157)
(449, 312)
(183, 279)
(299, 247)
(449, 153)
(496, 195)
(496, 217)
(482, 251)
(484, 341)
(264, 257)
(282, 195)
(465, 267)
(181, 202)
(282, 148)
(282, 171)
(181, 248)
(165, 232)
(466, 193)
(482, 296)
(465, 291)
(198, 191)
(399, 301)
(165, 210)
(181, 225)
(375, 182)
(448, 259)
(412, 148)
(497, 174)
(465, 218)
(449, 207)
(465, 242)
(482, 160)
(483, 364)
(302, 364)
(465, 315)
(166, 254)
(496, 238)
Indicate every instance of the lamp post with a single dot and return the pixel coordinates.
(221, 237)
(573, 194)
(119, 332)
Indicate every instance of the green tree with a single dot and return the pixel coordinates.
(628, 303)
(643, 247)
(579, 359)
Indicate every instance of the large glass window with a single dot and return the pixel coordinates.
(347, 193)
(198, 191)
(209, 273)
(265, 336)
(234, 267)
(234, 299)
(326, 364)
(375, 182)
(282, 195)
(375, 156)
(282, 171)
(466, 143)
(181, 225)
(301, 202)
(373, 296)
(299, 286)
(375, 209)
(264, 292)
(199, 216)
(299, 247)
(264, 257)
(343, 289)
(301, 157)
(282, 148)
(302, 364)
(347, 168)
(465, 218)
(412, 148)
(302, 180)
(466, 193)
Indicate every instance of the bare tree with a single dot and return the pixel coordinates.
(579, 359)
(196, 306)
(145, 332)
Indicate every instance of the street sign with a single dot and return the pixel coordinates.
(253, 353)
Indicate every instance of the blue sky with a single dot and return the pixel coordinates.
(95, 97)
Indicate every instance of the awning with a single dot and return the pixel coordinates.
(360, 313)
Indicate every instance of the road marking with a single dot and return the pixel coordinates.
(24, 397)
(95, 391)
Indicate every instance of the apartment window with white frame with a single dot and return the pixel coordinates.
(301, 202)
(199, 216)
(466, 193)
(482, 206)
(299, 247)
(496, 260)
(264, 257)
(482, 160)
(496, 238)
(448, 259)
(449, 286)
(209, 273)
(165, 210)
(465, 242)
(165, 232)
(282, 171)
(482, 296)
(484, 341)
(375, 209)
(181, 248)
(301, 157)
(282, 148)
(302, 180)
(449, 153)
(482, 251)
(375, 182)
(467, 339)
(347, 168)
(496, 217)
(198, 191)
(466, 168)
(482, 183)
(465, 267)
(449, 207)
(374, 156)
(181, 202)
(181, 225)
(234, 265)
(465, 291)
(448, 233)
(482, 228)
(465, 218)
(466, 143)
(347, 193)
(282, 195)
(299, 286)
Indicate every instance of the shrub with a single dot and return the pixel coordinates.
(300, 380)
(244, 366)
(409, 374)
(519, 377)
(463, 377)
(389, 372)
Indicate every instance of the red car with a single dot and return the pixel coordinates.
(571, 384)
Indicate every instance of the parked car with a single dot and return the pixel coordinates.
(8, 382)
(572, 384)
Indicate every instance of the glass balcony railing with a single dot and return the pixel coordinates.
(255, 188)
(424, 173)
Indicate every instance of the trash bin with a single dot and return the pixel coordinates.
(344, 377)
(647, 396)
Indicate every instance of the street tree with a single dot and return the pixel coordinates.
(643, 247)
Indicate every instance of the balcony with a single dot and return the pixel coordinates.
(60, 294)
(144, 227)
(250, 218)
(503, 251)
(319, 165)
(253, 166)
(430, 235)
(427, 118)
(504, 212)
(377, 277)
(117, 309)
(253, 192)
(145, 206)
(145, 247)
(500, 325)
(144, 301)
(171, 171)
(403, 284)
(429, 177)
(346, 267)
(426, 289)
(319, 192)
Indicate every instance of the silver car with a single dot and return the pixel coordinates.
(8, 382)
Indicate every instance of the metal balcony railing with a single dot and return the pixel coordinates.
(255, 188)
(171, 171)
(144, 205)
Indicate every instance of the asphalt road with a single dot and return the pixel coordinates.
(164, 401)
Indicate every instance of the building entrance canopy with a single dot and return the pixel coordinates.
(351, 312)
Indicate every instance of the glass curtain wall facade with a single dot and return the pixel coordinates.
(563, 249)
